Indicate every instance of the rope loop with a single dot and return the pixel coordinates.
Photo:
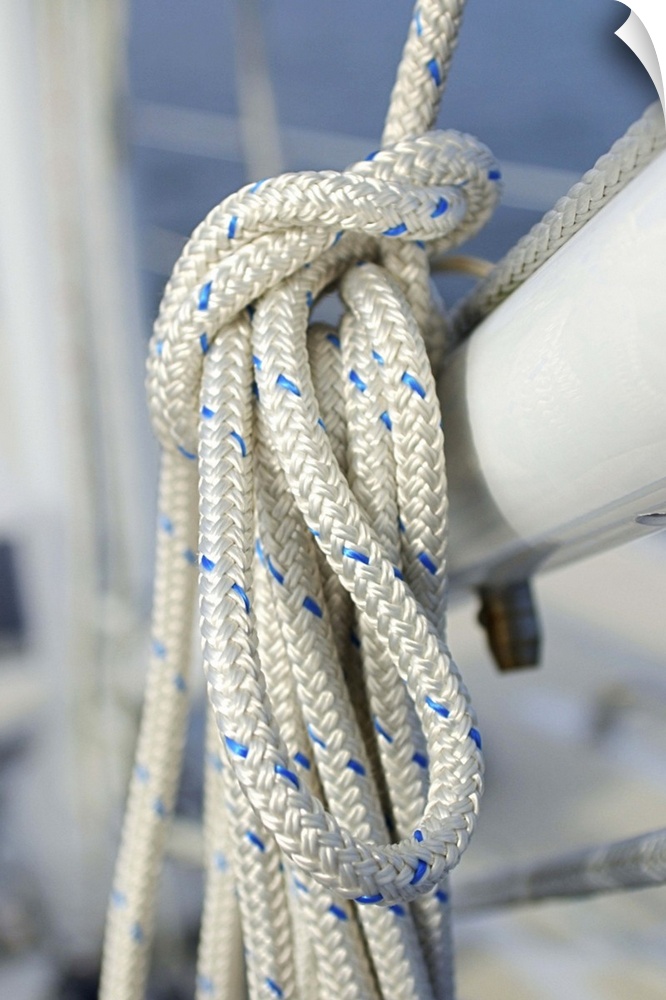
(438, 188)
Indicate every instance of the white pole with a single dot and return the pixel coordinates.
(555, 408)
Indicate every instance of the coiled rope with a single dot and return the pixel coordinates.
(343, 766)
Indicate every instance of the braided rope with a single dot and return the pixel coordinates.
(612, 171)
(338, 722)
(325, 749)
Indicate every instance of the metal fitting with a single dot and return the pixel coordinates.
(508, 615)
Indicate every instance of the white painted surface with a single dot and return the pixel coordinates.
(556, 405)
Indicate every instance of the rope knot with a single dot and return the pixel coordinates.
(438, 188)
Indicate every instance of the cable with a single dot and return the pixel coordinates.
(626, 864)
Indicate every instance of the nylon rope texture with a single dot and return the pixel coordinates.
(643, 140)
(343, 757)
(348, 773)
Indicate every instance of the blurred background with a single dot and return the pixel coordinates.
(121, 125)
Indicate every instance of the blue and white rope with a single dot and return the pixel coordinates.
(232, 391)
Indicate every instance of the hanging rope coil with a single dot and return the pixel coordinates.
(360, 768)
(343, 764)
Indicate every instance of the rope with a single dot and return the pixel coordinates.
(345, 781)
(344, 765)
(636, 863)
(643, 140)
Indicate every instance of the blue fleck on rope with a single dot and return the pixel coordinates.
(475, 735)
(433, 68)
(240, 441)
(118, 898)
(356, 380)
(356, 555)
(141, 773)
(160, 809)
(426, 561)
(274, 571)
(356, 766)
(286, 383)
(396, 230)
(439, 209)
(414, 384)
(284, 772)
(437, 706)
(421, 869)
(238, 748)
(311, 605)
(237, 589)
(204, 295)
(256, 840)
(220, 862)
(382, 732)
(316, 739)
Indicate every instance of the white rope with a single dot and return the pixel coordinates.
(326, 750)
(612, 171)
(343, 758)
